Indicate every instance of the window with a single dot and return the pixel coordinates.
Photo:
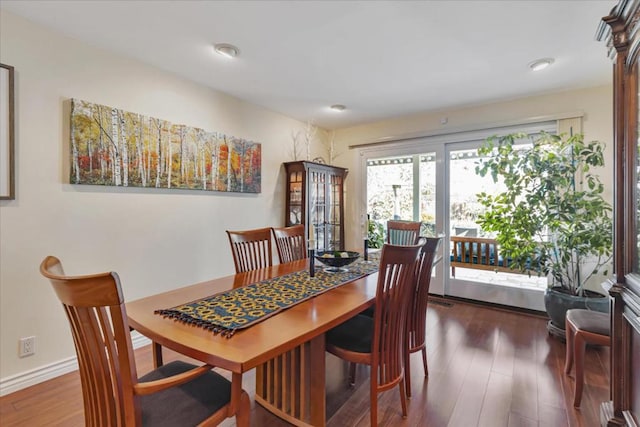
(403, 188)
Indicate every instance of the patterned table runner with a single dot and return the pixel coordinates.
(240, 308)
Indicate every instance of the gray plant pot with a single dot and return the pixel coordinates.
(557, 301)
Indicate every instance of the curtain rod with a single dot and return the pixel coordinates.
(470, 128)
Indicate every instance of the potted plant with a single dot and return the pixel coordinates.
(551, 219)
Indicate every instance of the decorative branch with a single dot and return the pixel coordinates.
(309, 133)
(331, 147)
(295, 137)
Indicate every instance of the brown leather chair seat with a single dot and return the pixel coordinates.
(584, 327)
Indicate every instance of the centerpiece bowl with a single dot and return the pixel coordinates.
(337, 260)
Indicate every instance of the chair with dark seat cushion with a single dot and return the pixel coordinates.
(290, 243)
(403, 232)
(584, 327)
(417, 319)
(251, 249)
(379, 341)
(176, 394)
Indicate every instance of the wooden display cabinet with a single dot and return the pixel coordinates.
(315, 196)
(621, 31)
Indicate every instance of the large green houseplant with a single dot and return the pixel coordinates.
(551, 219)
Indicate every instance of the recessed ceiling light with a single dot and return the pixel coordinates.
(540, 64)
(226, 49)
(338, 107)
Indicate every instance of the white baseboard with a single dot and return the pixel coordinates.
(35, 376)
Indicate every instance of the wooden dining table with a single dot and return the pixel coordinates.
(288, 348)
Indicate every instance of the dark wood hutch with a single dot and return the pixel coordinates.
(621, 31)
(315, 198)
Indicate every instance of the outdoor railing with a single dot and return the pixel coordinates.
(479, 253)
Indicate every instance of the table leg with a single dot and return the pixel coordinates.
(236, 391)
(292, 385)
(157, 354)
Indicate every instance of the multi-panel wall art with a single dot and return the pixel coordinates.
(119, 148)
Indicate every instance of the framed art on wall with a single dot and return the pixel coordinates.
(114, 147)
(7, 186)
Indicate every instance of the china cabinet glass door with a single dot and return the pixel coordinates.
(334, 222)
(295, 198)
(318, 207)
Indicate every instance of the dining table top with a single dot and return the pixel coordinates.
(258, 343)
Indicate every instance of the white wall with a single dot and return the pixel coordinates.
(596, 104)
(155, 239)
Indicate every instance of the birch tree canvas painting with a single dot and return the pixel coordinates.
(115, 147)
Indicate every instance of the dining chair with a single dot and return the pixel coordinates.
(290, 243)
(417, 318)
(403, 232)
(251, 249)
(379, 341)
(177, 393)
(583, 327)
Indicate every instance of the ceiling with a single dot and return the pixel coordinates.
(381, 59)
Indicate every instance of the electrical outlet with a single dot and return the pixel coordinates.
(26, 346)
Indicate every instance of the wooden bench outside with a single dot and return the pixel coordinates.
(478, 253)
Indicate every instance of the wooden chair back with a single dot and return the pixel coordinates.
(417, 318)
(395, 286)
(380, 342)
(251, 249)
(403, 232)
(113, 394)
(290, 243)
(95, 307)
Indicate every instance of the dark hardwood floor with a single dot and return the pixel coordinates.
(487, 367)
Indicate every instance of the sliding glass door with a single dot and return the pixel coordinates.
(476, 273)
(403, 188)
(433, 180)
